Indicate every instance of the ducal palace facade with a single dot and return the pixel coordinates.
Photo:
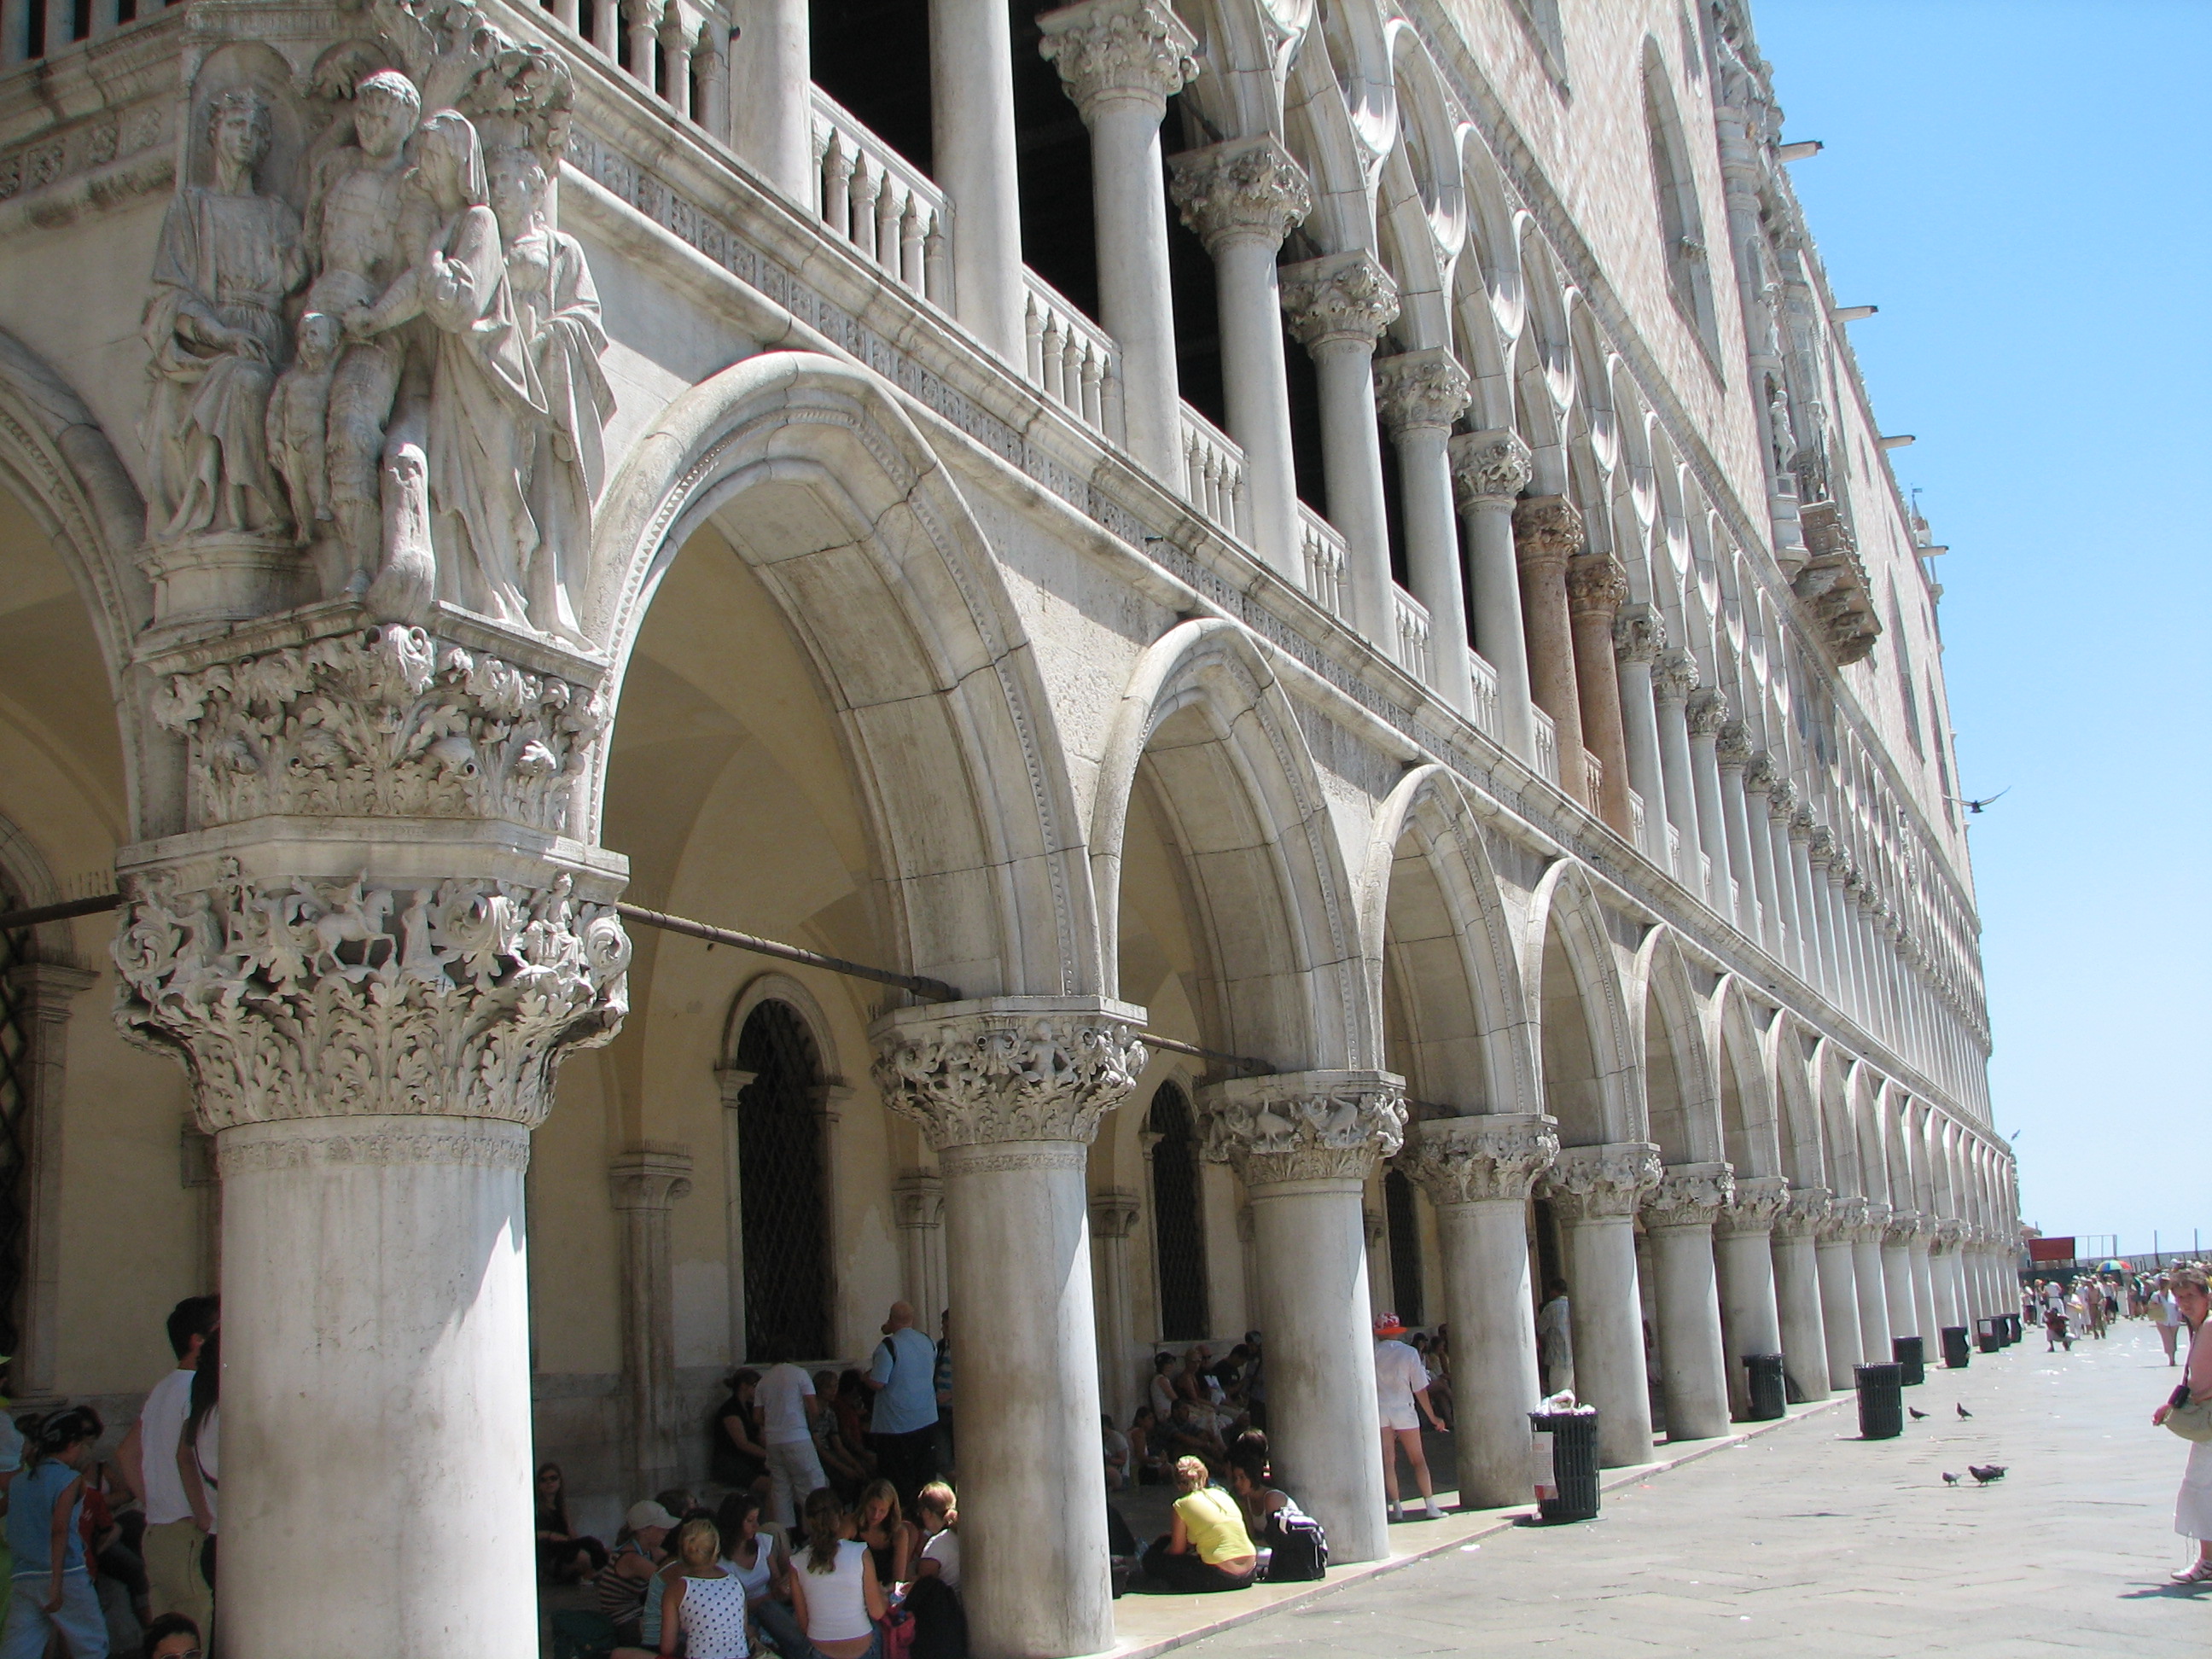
(1310, 586)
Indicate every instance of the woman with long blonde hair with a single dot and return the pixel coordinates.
(703, 1608)
(836, 1597)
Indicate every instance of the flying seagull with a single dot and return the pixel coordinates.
(1976, 806)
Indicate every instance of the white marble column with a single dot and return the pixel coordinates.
(1112, 1215)
(1597, 586)
(1489, 471)
(1896, 1273)
(1732, 755)
(1707, 712)
(971, 120)
(644, 1184)
(1836, 1263)
(1759, 781)
(1923, 1290)
(1120, 61)
(1304, 1144)
(918, 1207)
(1943, 1276)
(1639, 634)
(1820, 852)
(1420, 394)
(1678, 1217)
(1338, 306)
(1781, 802)
(1241, 199)
(45, 992)
(1873, 1282)
(1547, 533)
(710, 56)
(1477, 1172)
(1012, 1136)
(1594, 1193)
(1743, 1251)
(675, 44)
(1673, 678)
(1797, 1291)
(771, 80)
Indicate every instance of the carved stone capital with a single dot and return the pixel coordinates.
(1345, 297)
(1733, 746)
(377, 722)
(1949, 1234)
(918, 1199)
(1802, 827)
(1113, 1212)
(1760, 776)
(1107, 50)
(1781, 801)
(1593, 1184)
(1597, 585)
(650, 1176)
(1689, 1195)
(1708, 711)
(1005, 1069)
(1845, 1218)
(1640, 633)
(1873, 1221)
(1304, 1126)
(1804, 1213)
(1904, 1228)
(1246, 188)
(1416, 389)
(1674, 675)
(1471, 1160)
(315, 998)
(1756, 1206)
(1490, 466)
(1547, 529)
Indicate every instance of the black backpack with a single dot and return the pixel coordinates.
(1299, 1547)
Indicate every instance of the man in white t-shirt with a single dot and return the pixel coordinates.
(788, 1405)
(1401, 1395)
(147, 1461)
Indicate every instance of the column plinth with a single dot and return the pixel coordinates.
(1594, 1192)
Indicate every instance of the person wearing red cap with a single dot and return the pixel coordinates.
(1401, 1386)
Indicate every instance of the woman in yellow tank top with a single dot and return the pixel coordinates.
(1209, 1548)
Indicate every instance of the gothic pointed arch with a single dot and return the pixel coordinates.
(1592, 1063)
(1751, 1127)
(1681, 1092)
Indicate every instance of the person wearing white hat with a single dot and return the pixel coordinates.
(1401, 1395)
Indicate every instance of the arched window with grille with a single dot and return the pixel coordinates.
(1405, 1234)
(1178, 1223)
(783, 1187)
(15, 1128)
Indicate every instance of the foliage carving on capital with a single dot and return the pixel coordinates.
(1597, 585)
(1591, 1183)
(1112, 49)
(1470, 1160)
(1304, 1126)
(1640, 633)
(1760, 775)
(1675, 674)
(1339, 297)
(1248, 187)
(1904, 1227)
(1844, 1221)
(1757, 1205)
(1781, 800)
(1823, 848)
(1732, 746)
(1872, 1222)
(1708, 711)
(1802, 827)
(323, 999)
(385, 721)
(1547, 528)
(1490, 466)
(1950, 1233)
(1417, 389)
(1804, 1213)
(1690, 1195)
(1008, 1068)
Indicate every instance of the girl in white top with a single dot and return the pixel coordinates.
(2168, 1314)
(703, 1604)
(941, 1518)
(836, 1596)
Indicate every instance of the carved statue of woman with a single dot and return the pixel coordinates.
(565, 454)
(460, 456)
(228, 256)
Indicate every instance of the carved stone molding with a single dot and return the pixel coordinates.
(1733, 746)
(1490, 466)
(371, 1143)
(1844, 1220)
(1949, 1234)
(1832, 585)
(650, 1176)
(1113, 1212)
(1480, 1159)
(324, 999)
(1415, 389)
(918, 1199)
(1597, 585)
(1873, 1222)
(380, 722)
(1674, 675)
(1708, 711)
(1804, 1213)
(1802, 827)
(1640, 633)
(1304, 1126)
(1594, 1184)
(1547, 528)
(1246, 188)
(1106, 50)
(1690, 1195)
(1761, 776)
(1005, 1069)
(1904, 1227)
(1340, 297)
(1756, 1206)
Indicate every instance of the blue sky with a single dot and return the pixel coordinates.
(2021, 187)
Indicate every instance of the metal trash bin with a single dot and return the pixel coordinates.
(1957, 1352)
(2013, 1326)
(1988, 1335)
(1912, 1356)
(1566, 1448)
(1881, 1402)
(1769, 1387)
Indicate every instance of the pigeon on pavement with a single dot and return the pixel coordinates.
(1961, 1409)
(1949, 1479)
(1916, 1413)
(1985, 1473)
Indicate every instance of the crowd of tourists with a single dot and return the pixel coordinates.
(2090, 1304)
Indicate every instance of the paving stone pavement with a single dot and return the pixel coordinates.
(1810, 1542)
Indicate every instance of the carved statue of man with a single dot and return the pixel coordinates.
(367, 229)
(228, 256)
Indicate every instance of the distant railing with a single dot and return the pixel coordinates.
(881, 205)
(1071, 359)
(1485, 694)
(1547, 745)
(1635, 820)
(1593, 777)
(1213, 474)
(1324, 550)
(1673, 850)
(1412, 619)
